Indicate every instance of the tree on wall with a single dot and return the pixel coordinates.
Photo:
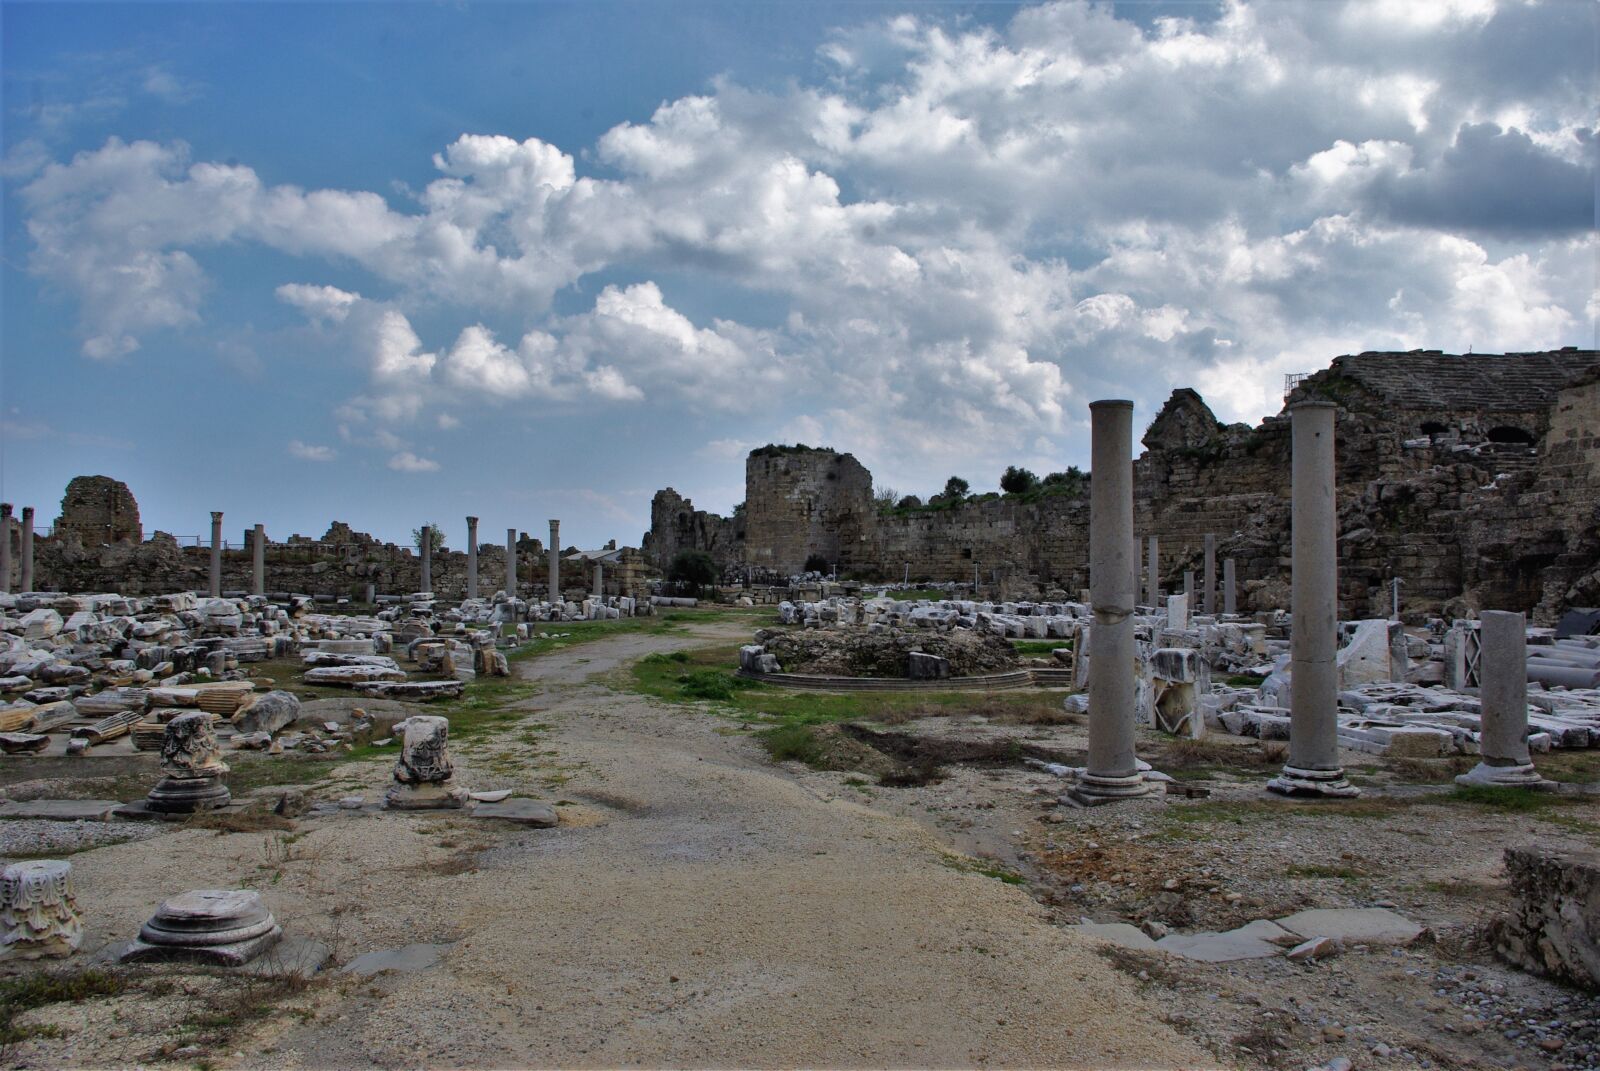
(885, 498)
(955, 489)
(1015, 481)
(438, 537)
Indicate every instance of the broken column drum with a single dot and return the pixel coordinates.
(555, 563)
(193, 766)
(427, 557)
(472, 557)
(215, 587)
(27, 550)
(423, 771)
(5, 547)
(258, 560)
(222, 927)
(511, 563)
(39, 910)
(1503, 694)
(1313, 767)
(1208, 596)
(1113, 771)
(1229, 594)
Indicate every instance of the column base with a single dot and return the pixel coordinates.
(1093, 790)
(1294, 781)
(1523, 776)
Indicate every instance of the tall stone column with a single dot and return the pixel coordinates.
(555, 563)
(472, 557)
(216, 554)
(1113, 771)
(5, 547)
(27, 549)
(258, 560)
(1503, 691)
(427, 557)
(1188, 588)
(599, 581)
(1208, 594)
(1152, 579)
(511, 562)
(1229, 594)
(1313, 767)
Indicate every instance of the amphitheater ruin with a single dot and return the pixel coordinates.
(1272, 746)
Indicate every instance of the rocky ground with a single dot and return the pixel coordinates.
(860, 652)
(700, 905)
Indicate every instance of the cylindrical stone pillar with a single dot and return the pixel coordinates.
(599, 581)
(427, 557)
(1208, 594)
(5, 547)
(27, 549)
(1313, 767)
(1229, 595)
(1188, 589)
(555, 563)
(258, 560)
(216, 554)
(472, 557)
(511, 562)
(1503, 693)
(1152, 578)
(1113, 771)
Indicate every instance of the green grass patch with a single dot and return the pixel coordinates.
(986, 867)
(1243, 680)
(29, 991)
(1031, 648)
(792, 743)
(1508, 800)
(1343, 873)
(916, 594)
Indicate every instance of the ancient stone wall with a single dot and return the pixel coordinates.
(100, 510)
(676, 525)
(306, 566)
(801, 501)
(1474, 479)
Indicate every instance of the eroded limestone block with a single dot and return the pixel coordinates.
(227, 927)
(423, 772)
(1553, 924)
(193, 766)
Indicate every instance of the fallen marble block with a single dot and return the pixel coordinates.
(350, 676)
(416, 691)
(1553, 924)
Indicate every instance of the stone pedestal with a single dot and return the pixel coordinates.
(472, 557)
(422, 774)
(193, 766)
(1113, 771)
(39, 910)
(26, 583)
(1313, 768)
(555, 563)
(224, 927)
(1503, 691)
(1177, 613)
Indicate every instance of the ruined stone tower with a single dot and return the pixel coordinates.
(802, 500)
(99, 510)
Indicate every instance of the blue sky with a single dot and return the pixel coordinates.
(394, 262)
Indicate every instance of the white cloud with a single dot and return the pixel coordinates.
(310, 452)
(406, 461)
(943, 247)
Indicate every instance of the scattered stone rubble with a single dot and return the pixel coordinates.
(81, 671)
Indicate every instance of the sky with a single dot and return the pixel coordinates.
(397, 263)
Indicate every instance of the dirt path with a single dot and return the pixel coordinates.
(704, 910)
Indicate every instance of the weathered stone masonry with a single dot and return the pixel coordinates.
(1475, 479)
